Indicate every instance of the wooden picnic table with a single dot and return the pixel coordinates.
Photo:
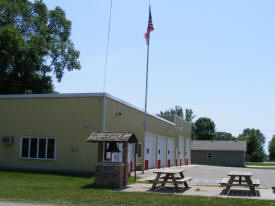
(170, 175)
(240, 178)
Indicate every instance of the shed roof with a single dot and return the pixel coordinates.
(218, 145)
(112, 137)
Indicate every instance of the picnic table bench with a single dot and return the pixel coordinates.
(240, 178)
(170, 175)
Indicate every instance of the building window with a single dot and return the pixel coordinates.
(210, 155)
(38, 148)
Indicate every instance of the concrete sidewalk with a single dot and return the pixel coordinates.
(209, 191)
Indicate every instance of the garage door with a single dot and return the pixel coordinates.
(187, 151)
(150, 151)
(161, 151)
(181, 151)
(170, 151)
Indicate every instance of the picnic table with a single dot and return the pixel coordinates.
(240, 178)
(169, 175)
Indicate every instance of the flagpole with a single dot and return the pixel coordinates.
(145, 114)
(147, 37)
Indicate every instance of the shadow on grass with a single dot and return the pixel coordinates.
(94, 186)
(240, 193)
(43, 172)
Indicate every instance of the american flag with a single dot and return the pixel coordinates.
(149, 28)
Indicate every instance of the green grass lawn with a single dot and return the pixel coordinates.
(260, 164)
(73, 190)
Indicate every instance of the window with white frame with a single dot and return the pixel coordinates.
(38, 148)
(210, 155)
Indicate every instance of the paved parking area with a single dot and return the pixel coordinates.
(208, 191)
(210, 175)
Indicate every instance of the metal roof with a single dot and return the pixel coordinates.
(218, 145)
(70, 95)
(112, 137)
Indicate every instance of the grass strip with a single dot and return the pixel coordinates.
(78, 190)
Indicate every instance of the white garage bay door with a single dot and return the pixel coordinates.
(150, 151)
(170, 151)
(181, 151)
(187, 150)
(161, 151)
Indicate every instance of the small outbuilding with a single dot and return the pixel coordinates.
(219, 153)
(112, 174)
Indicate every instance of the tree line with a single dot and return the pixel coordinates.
(205, 129)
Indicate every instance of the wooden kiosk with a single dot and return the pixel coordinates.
(108, 173)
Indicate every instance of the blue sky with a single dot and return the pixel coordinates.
(216, 57)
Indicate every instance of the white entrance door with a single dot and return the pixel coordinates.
(187, 150)
(170, 151)
(161, 151)
(181, 151)
(117, 156)
(150, 151)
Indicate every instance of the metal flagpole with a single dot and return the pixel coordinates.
(145, 114)
(147, 37)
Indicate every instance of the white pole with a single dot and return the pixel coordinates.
(145, 113)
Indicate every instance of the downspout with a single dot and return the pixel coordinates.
(103, 122)
(103, 112)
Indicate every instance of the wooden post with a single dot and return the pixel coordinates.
(100, 152)
(125, 161)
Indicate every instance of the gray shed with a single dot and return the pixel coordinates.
(220, 153)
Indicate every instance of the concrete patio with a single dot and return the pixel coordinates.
(210, 191)
(205, 182)
(211, 175)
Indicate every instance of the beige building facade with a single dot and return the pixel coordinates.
(48, 132)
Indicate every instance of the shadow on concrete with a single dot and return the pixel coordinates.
(240, 193)
(167, 189)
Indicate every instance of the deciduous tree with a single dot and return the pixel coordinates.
(34, 44)
(223, 136)
(271, 148)
(255, 144)
(189, 115)
(178, 111)
(204, 129)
